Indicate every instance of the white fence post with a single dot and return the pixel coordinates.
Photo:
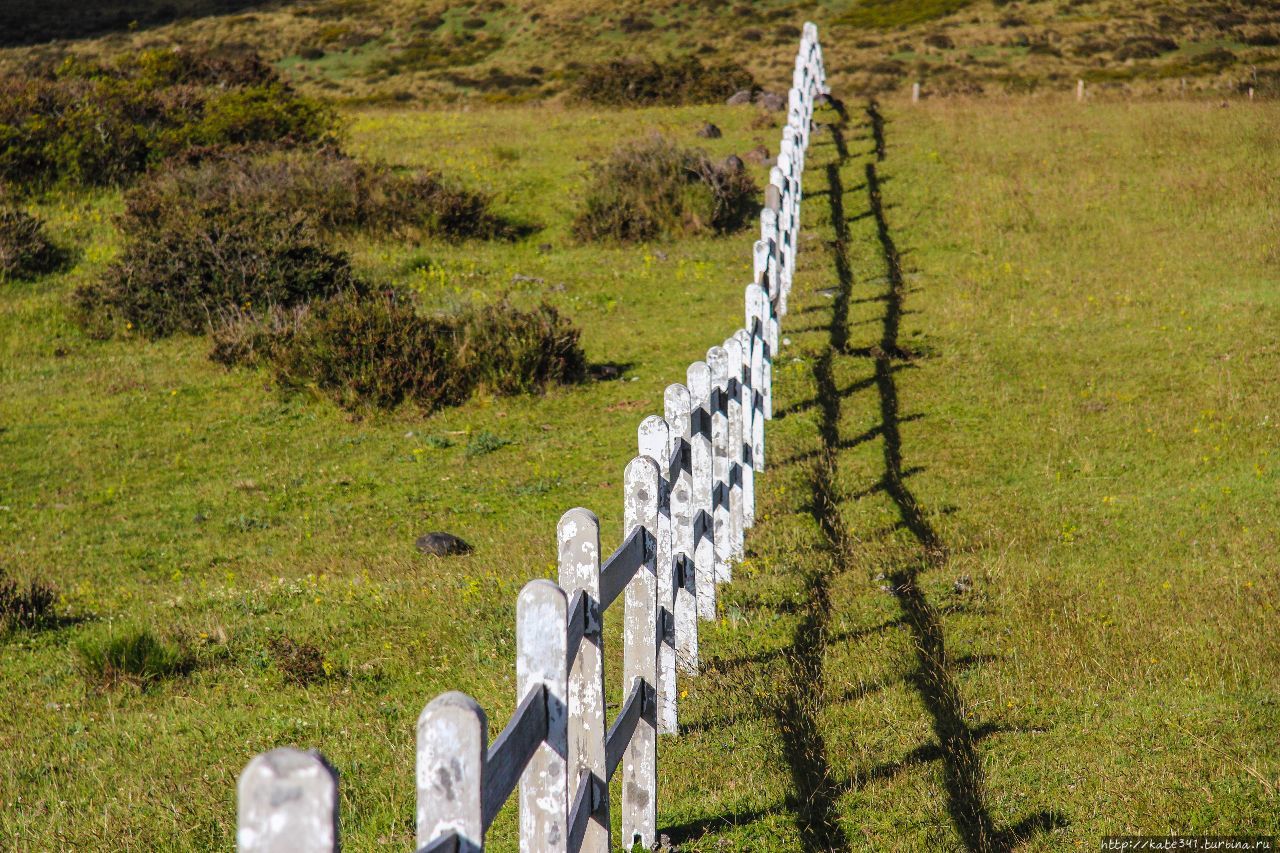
(733, 442)
(578, 535)
(640, 659)
(718, 361)
(676, 407)
(654, 441)
(745, 444)
(453, 742)
(287, 800)
(757, 305)
(701, 457)
(542, 642)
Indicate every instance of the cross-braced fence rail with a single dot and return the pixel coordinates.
(689, 496)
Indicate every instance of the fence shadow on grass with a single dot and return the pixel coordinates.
(964, 779)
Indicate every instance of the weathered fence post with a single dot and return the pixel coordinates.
(640, 659)
(676, 407)
(747, 408)
(453, 741)
(722, 529)
(701, 463)
(287, 800)
(578, 535)
(542, 641)
(654, 441)
(757, 305)
(733, 440)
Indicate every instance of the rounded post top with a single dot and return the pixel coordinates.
(699, 375)
(718, 361)
(575, 520)
(653, 438)
(451, 704)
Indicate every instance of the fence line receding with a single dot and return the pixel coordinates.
(688, 498)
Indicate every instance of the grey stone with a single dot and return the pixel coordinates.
(758, 155)
(733, 163)
(443, 545)
(771, 101)
(709, 131)
(740, 98)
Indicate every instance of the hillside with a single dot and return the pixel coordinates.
(430, 51)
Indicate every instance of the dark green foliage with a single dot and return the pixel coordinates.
(335, 191)
(642, 82)
(95, 125)
(25, 250)
(653, 188)
(132, 656)
(175, 278)
(377, 351)
(24, 607)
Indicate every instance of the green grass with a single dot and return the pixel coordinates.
(1088, 423)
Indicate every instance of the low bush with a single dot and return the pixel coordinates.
(179, 277)
(25, 249)
(336, 192)
(641, 82)
(654, 188)
(377, 351)
(132, 656)
(506, 351)
(94, 125)
(374, 352)
(29, 606)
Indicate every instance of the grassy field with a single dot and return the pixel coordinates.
(1015, 579)
(1017, 576)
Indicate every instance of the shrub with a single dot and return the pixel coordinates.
(335, 191)
(507, 351)
(178, 277)
(654, 188)
(377, 351)
(132, 656)
(638, 82)
(25, 250)
(371, 352)
(94, 125)
(24, 607)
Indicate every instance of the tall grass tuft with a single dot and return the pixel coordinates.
(24, 607)
(132, 656)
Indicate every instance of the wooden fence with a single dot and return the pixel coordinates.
(689, 496)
